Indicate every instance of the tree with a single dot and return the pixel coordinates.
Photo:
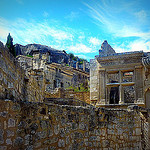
(10, 45)
(71, 56)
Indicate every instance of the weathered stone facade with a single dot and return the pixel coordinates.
(119, 78)
(56, 75)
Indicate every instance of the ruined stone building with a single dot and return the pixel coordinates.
(32, 117)
(54, 55)
(56, 75)
(120, 78)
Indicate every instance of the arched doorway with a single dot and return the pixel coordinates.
(147, 98)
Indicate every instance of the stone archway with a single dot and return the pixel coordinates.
(147, 98)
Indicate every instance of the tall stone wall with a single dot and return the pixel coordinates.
(94, 81)
(65, 125)
(11, 76)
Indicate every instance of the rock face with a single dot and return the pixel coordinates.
(106, 49)
(57, 56)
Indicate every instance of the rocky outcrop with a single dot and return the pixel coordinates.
(106, 49)
(57, 56)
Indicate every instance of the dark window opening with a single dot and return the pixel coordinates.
(114, 94)
(55, 85)
(62, 85)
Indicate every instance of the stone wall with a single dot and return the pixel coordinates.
(59, 124)
(35, 86)
(94, 81)
(11, 76)
(68, 93)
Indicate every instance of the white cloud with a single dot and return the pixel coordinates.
(105, 15)
(73, 15)
(128, 31)
(139, 45)
(80, 48)
(24, 32)
(45, 14)
(95, 41)
(141, 15)
(3, 33)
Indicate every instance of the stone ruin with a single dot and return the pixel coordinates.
(120, 78)
(29, 120)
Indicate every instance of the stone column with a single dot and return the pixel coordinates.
(83, 65)
(139, 84)
(121, 98)
(77, 67)
(102, 84)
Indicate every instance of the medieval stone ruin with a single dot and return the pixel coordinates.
(37, 112)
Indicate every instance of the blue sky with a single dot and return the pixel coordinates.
(78, 26)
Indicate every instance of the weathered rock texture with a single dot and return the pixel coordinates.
(59, 124)
(11, 76)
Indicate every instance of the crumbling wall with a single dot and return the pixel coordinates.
(11, 76)
(35, 86)
(59, 125)
(68, 93)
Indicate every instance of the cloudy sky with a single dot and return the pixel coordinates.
(77, 26)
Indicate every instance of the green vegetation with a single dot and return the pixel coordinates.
(75, 58)
(10, 45)
(72, 57)
(29, 55)
(81, 61)
(82, 88)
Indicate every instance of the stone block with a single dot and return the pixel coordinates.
(138, 131)
(18, 141)
(11, 122)
(1, 136)
(4, 114)
(50, 132)
(56, 129)
(61, 143)
(8, 142)
(3, 147)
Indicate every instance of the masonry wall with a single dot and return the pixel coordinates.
(65, 125)
(68, 93)
(11, 76)
(94, 81)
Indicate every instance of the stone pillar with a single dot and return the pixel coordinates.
(94, 84)
(139, 84)
(102, 84)
(77, 67)
(83, 65)
(121, 95)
